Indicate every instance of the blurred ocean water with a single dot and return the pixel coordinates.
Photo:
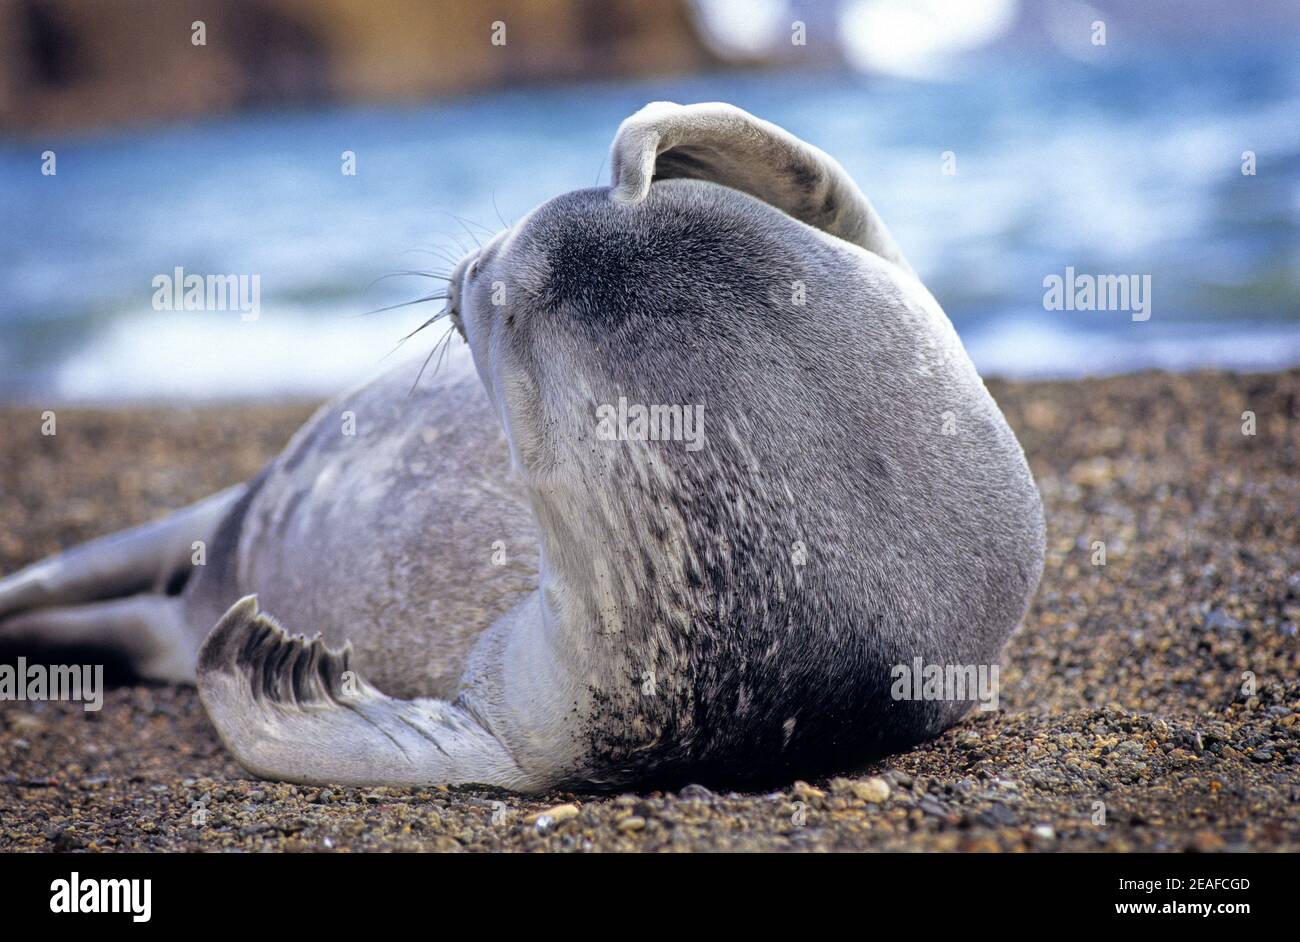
(1129, 170)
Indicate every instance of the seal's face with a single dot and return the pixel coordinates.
(589, 302)
(484, 305)
(652, 377)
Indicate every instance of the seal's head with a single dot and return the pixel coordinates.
(729, 423)
(667, 301)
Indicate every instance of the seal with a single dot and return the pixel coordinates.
(533, 572)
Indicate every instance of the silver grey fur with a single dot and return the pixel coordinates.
(661, 614)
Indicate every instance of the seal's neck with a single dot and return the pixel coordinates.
(612, 562)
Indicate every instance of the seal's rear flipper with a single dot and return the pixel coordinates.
(148, 631)
(119, 593)
(721, 143)
(293, 709)
(153, 558)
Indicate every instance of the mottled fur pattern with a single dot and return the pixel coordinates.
(728, 612)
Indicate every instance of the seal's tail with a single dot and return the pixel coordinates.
(119, 592)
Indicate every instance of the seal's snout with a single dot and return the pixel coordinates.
(462, 276)
(457, 322)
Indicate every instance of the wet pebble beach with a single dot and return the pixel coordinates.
(1150, 701)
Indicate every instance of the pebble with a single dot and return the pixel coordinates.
(805, 791)
(696, 793)
(554, 815)
(873, 790)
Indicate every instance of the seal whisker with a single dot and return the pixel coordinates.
(425, 364)
(438, 296)
(441, 314)
(447, 339)
(412, 273)
(417, 273)
(441, 254)
(497, 209)
(459, 244)
(470, 232)
(463, 224)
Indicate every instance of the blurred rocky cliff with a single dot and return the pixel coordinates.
(90, 63)
(68, 64)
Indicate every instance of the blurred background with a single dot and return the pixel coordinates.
(1000, 140)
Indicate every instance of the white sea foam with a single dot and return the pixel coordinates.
(1028, 347)
(202, 356)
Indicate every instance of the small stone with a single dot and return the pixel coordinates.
(696, 793)
(553, 816)
(803, 790)
(998, 815)
(1207, 842)
(62, 840)
(873, 790)
(632, 823)
(1045, 832)
(1219, 619)
(26, 724)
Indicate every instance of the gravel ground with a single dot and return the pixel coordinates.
(1126, 721)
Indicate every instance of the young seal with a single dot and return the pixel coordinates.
(727, 608)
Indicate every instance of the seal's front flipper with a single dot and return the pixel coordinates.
(294, 710)
(724, 144)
